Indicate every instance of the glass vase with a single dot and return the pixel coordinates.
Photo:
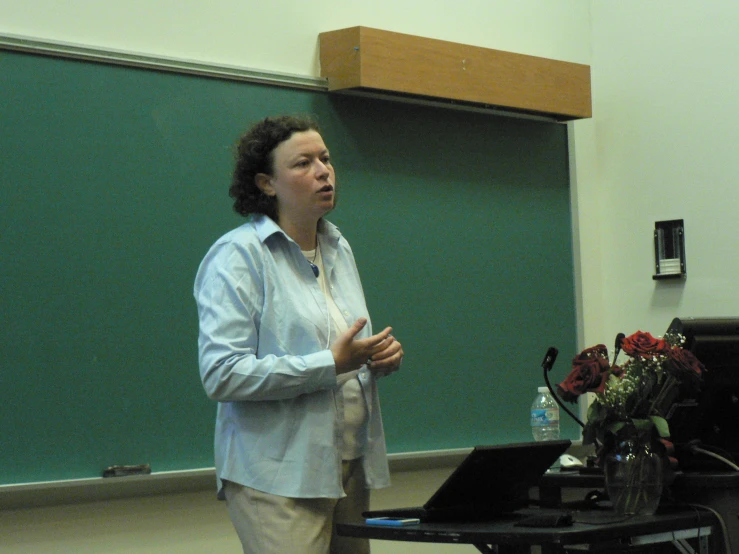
(634, 476)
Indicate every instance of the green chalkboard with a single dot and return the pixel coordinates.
(114, 184)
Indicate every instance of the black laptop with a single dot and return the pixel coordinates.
(490, 481)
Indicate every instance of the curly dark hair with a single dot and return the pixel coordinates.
(254, 155)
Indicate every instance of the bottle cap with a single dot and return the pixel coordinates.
(543, 389)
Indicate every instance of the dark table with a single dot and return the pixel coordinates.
(717, 491)
(596, 527)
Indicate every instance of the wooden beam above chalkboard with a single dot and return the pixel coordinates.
(361, 59)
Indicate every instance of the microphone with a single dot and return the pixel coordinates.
(549, 359)
(546, 365)
(617, 346)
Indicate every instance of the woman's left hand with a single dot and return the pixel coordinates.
(387, 359)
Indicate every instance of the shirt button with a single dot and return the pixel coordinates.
(346, 314)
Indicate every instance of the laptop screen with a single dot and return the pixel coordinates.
(496, 479)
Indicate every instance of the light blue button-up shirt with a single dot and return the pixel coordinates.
(263, 353)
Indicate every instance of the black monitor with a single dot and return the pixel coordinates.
(713, 419)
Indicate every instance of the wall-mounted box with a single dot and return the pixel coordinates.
(669, 250)
(370, 60)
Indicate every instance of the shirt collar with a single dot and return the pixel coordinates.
(266, 227)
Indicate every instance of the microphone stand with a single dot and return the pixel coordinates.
(546, 365)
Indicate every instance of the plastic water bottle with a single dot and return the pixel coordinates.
(545, 416)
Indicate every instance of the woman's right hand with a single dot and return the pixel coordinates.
(350, 353)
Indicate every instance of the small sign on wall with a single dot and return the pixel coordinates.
(669, 249)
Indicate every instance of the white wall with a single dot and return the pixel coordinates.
(666, 131)
(282, 35)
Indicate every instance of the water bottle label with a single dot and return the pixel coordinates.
(544, 417)
(539, 418)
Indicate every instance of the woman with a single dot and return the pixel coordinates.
(287, 350)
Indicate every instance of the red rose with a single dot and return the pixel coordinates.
(588, 375)
(598, 351)
(683, 365)
(644, 345)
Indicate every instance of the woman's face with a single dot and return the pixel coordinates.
(303, 179)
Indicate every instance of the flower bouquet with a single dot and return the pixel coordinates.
(626, 420)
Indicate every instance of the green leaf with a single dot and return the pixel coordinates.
(642, 425)
(589, 434)
(663, 428)
(616, 427)
(596, 412)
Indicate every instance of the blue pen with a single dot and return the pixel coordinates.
(393, 521)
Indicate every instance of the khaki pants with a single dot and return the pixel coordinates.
(270, 524)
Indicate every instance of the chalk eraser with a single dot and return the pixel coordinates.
(123, 471)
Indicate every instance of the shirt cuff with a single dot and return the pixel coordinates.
(323, 360)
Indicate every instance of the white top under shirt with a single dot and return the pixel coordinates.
(355, 412)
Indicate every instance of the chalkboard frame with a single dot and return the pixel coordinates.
(447, 396)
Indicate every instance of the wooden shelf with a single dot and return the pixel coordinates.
(370, 60)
